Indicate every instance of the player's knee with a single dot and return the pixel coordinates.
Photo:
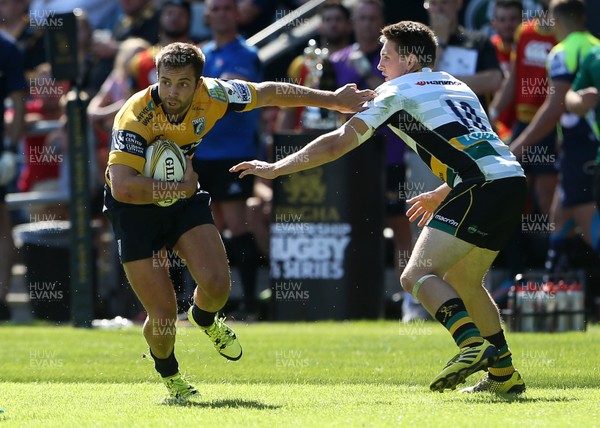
(410, 276)
(407, 280)
(217, 284)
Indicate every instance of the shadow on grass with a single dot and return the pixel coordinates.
(217, 404)
(511, 398)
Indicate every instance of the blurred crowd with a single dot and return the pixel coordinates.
(519, 57)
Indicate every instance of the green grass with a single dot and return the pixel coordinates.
(349, 374)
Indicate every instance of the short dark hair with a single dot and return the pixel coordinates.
(569, 10)
(179, 55)
(335, 4)
(413, 38)
(184, 4)
(507, 4)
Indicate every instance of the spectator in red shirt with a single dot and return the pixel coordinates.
(525, 88)
(42, 161)
(507, 17)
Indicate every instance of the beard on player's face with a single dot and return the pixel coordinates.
(176, 91)
(176, 108)
(172, 111)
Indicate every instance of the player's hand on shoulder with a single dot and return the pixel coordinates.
(255, 167)
(350, 99)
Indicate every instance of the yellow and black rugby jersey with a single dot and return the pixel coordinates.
(442, 120)
(142, 120)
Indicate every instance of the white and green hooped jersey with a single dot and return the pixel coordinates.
(441, 119)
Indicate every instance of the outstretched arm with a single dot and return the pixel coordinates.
(321, 150)
(346, 99)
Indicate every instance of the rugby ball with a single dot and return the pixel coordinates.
(165, 162)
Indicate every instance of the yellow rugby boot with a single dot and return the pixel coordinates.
(469, 360)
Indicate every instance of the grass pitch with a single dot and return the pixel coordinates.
(351, 374)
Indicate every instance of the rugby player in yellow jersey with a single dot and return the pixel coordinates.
(182, 107)
(469, 218)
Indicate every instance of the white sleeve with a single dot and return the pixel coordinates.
(380, 109)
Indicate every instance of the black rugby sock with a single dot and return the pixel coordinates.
(203, 318)
(166, 366)
(503, 368)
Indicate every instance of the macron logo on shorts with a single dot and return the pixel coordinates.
(446, 220)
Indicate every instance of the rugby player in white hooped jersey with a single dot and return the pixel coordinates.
(468, 219)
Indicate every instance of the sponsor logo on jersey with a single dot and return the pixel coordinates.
(218, 93)
(446, 220)
(146, 114)
(438, 82)
(474, 229)
(239, 93)
(536, 52)
(129, 142)
(199, 124)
